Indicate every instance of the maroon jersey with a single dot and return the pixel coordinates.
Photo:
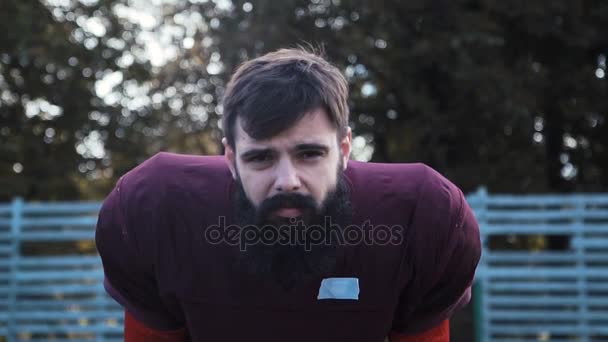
(160, 265)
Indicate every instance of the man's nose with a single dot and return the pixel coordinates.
(287, 179)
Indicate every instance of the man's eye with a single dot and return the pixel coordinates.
(260, 158)
(310, 154)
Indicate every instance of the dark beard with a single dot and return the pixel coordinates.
(291, 264)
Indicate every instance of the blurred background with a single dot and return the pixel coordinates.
(510, 95)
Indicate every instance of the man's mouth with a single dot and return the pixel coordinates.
(288, 212)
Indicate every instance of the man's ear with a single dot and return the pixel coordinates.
(346, 146)
(230, 157)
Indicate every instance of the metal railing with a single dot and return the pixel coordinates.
(46, 293)
(543, 275)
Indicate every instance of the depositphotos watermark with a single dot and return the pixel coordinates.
(298, 234)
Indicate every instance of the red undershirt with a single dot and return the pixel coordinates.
(135, 331)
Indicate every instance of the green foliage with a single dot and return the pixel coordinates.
(509, 94)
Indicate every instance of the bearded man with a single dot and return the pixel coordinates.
(284, 238)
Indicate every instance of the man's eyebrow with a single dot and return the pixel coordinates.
(255, 152)
(298, 148)
(311, 146)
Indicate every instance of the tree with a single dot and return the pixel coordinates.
(509, 95)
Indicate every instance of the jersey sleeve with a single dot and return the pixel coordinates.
(440, 333)
(442, 253)
(125, 242)
(138, 332)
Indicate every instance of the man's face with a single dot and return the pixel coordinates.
(295, 174)
(302, 160)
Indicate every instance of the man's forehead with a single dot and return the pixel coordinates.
(312, 129)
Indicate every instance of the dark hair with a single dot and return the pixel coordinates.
(272, 92)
